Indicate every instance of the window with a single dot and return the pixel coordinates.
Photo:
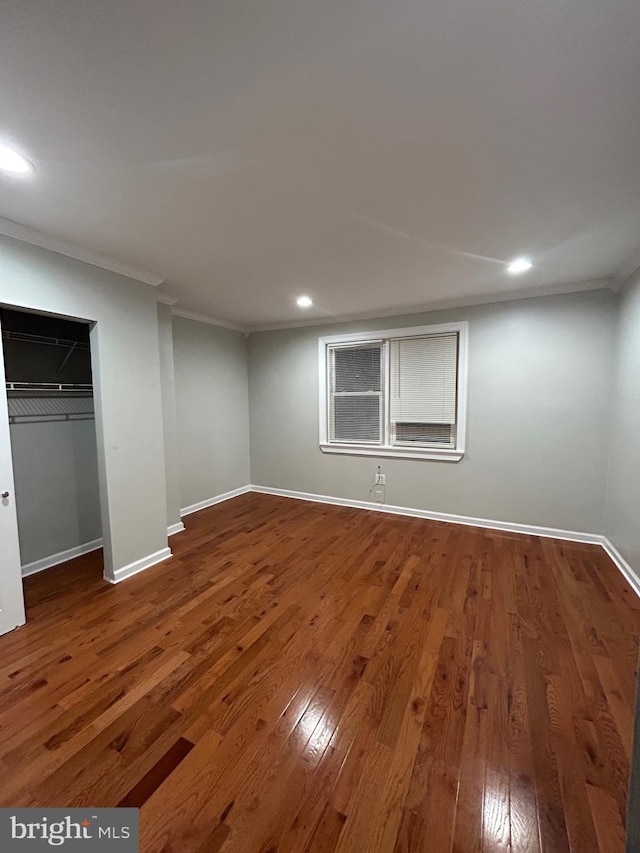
(400, 392)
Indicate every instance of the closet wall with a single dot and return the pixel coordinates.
(56, 483)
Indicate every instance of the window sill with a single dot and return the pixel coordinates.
(433, 453)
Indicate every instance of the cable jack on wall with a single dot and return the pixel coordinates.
(377, 490)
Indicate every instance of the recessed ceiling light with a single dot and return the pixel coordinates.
(519, 265)
(11, 161)
(304, 302)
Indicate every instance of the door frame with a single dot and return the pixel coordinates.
(100, 445)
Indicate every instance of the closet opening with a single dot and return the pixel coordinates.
(49, 386)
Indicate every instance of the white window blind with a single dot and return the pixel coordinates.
(423, 380)
(356, 393)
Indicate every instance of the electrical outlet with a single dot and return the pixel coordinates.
(378, 494)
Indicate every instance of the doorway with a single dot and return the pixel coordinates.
(50, 412)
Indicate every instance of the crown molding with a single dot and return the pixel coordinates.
(45, 241)
(444, 305)
(166, 299)
(212, 321)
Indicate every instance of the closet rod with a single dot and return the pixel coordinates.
(26, 337)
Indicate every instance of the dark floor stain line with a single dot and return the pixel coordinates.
(149, 783)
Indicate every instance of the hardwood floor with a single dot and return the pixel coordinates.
(304, 677)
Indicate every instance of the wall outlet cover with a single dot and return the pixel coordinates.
(378, 494)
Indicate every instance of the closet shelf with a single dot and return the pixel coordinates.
(43, 339)
(47, 388)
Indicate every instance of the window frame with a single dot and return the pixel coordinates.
(386, 449)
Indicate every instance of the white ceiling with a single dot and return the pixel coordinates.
(375, 155)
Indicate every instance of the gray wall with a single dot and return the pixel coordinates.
(56, 480)
(127, 393)
(212, 406)
(623, 488)
(538, 421)
(169, 418)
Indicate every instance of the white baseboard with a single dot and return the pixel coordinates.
(187, 510)
(61, 557)
(86, 548)
(625, 569)
(508, 526)
(140, 565)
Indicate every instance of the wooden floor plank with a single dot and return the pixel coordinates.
(305, 677)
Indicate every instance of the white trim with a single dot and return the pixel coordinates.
(432, 453)
(212, 321)
(625, 569)
(187, 510)
(323, 414)
(166, 299)
(463, 387)
(60, 557)
(443, 305)
(450, 518)
(454, 454)
(53, 244)
(139, 565)
(178, 527)
(402, 332)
